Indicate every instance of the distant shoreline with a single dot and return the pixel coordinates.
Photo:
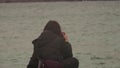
(21, 1)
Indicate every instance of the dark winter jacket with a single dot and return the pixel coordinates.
(49, 46)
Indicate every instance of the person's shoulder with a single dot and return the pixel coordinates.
(60, 40)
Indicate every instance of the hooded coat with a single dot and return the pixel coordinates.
(49, 46)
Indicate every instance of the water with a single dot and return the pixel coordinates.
(93, 29)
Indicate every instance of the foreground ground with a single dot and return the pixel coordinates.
(93, 29)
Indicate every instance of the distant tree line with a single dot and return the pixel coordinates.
(8, 1)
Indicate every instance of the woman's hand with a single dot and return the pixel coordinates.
(65, 36)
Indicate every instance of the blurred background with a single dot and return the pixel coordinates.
(93, 28)
(7, 1)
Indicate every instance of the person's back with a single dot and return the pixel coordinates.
(52, 49)
(48, 46)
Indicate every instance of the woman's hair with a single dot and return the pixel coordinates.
(54, 27)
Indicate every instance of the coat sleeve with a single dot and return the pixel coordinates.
(67, 50)
(33, 63)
